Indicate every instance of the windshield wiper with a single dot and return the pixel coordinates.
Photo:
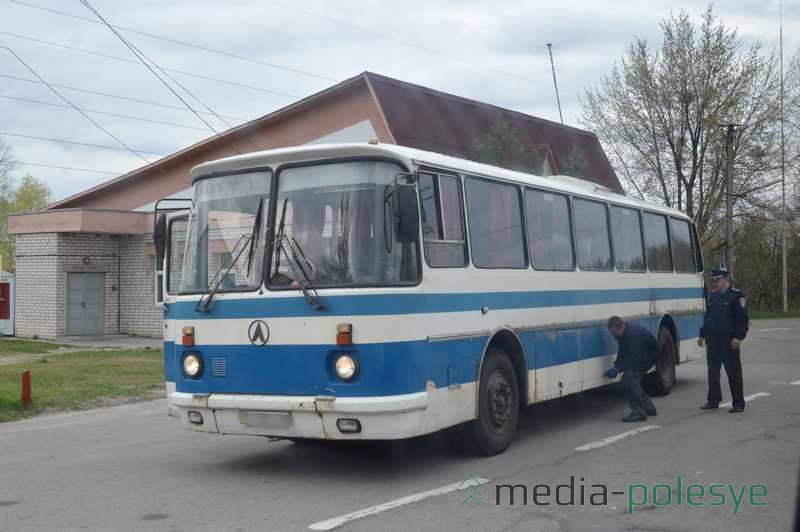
(213, 286)
(254, 235)
(301, 276)
(309, 290)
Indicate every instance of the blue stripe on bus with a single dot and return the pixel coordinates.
(391, 304)
(386, 368)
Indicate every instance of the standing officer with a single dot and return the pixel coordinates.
(724, 328)
(637, 353)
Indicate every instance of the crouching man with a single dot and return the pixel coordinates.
(637, 353)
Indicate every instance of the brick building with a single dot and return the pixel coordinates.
(85, 264)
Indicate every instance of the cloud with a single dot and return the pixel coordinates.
(490, 51)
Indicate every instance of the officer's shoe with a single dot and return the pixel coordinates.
(634, 417)
(651, 412)
(736, 410)
(709, 406)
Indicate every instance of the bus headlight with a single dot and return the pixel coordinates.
(346, 367)
(192, 365)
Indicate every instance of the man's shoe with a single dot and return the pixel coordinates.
(632, 418)
(736, 410)
(652, 412)
(709, 406)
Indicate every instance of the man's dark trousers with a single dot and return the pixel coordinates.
(639, 401)
(721, 353)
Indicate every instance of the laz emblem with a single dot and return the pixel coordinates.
(258, 333)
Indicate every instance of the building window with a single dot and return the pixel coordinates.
(626, 230)
(591, 235)
(656, 239)
(549, 230)
(495, 224)
(682, 246)
(442, 220)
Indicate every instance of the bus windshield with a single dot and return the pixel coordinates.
(334, 228)
(224, 246)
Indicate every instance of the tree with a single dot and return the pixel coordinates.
(501, 147)
(30, 195)
(659, 114)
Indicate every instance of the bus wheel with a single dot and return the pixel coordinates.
(498, 406)
(663, 378)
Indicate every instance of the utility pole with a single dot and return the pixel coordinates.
(555, 84)
(730, 139)
(784, 217)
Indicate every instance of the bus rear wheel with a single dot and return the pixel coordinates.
(498, 406)
(661, 381)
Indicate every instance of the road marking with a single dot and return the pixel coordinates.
(617, 437)
(795, 383)
(748, 398)
(336, 522)
(775, 329)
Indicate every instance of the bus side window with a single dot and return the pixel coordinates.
(442, 220)
(592, 235)
(626, 229)
(549, 230)
(175, 249)
(656, 239)
(698, 250)
(682, 246)
(495, 224)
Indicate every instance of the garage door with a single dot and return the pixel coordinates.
(85, 300)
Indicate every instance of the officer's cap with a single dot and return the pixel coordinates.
(717, 273)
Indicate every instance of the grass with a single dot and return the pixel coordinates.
(9, 346)
(81, 380)
(773, 314)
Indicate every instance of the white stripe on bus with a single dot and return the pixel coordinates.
(321, 329)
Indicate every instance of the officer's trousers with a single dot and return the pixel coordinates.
(639, 401)
(718, 354)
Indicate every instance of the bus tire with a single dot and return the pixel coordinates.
(661, 381)
(498, 406)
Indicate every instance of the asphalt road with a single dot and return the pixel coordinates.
(132, 467)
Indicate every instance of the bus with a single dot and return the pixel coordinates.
(375, 292)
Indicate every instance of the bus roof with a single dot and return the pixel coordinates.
(413, 156)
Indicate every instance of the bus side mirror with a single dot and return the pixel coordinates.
(405, 212)
(160, 238)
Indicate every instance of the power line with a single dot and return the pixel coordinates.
(76, 143)
(183, 43)
(71, 168)
(131, 61)
(95, 111)
(115, 96)
(69, 102)
(146, 61)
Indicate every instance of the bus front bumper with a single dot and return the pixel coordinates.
(379, 418)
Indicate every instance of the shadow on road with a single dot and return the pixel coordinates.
(315, 460)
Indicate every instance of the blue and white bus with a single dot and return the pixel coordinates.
(371, 291)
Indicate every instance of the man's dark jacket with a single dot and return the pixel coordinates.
(637, 349)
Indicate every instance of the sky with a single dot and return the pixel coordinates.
(487, 50)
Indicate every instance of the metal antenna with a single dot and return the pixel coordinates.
(555, 83)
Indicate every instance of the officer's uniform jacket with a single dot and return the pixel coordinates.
(726, 316)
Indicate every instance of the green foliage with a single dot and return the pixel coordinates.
(501, 147)
(29, 195)
(9, 346)
(81, 380)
